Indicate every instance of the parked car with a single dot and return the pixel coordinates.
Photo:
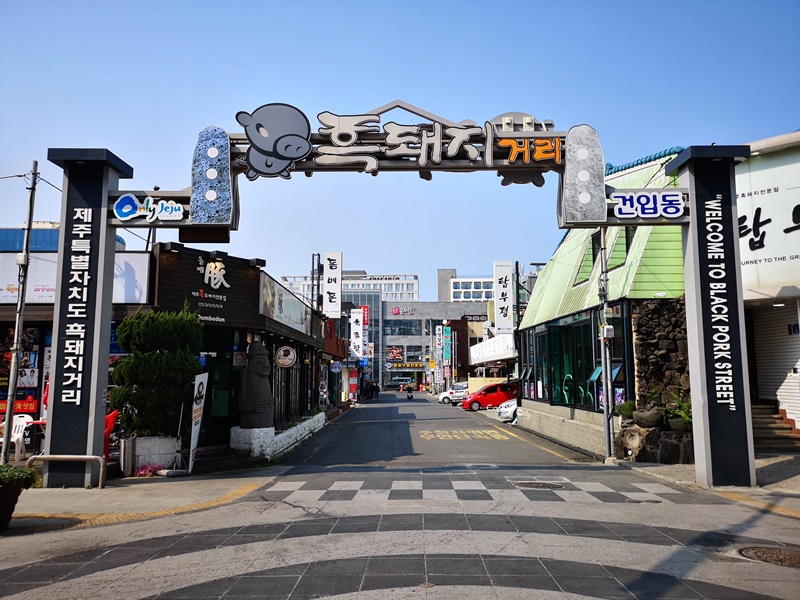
(490, 396)
(392, 385)
(508, 410)
(457, 392)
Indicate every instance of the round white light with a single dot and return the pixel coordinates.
(584, 197)
(212, 174)
(212, 152)
(583, 175)
(211, 195)
(583, 153)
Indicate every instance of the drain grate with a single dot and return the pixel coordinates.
(538, 485)
(774, 556)
(633, 501)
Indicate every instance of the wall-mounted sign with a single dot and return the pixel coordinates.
(332, 284)
(239, 359)
(336, 367)
(129, 206)
(648, 204)
(279, 304)
(503, 295)
(475, 318)
(394, 353)
(285, 356)
(356, 334)
(220, 292)
(402, 310)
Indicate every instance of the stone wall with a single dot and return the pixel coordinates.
(266, 443)
(661, 351)
(581, 429)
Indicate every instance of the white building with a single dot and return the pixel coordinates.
(393, 288)
(452, 288)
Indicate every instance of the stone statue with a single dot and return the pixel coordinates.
(256, 402)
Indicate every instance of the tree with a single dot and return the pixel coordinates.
(155, 379)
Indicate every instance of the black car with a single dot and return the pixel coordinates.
(392, 385)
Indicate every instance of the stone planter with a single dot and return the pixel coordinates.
(9, 494)
(154, 450)
(678, 425)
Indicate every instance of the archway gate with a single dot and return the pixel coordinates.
(278, 140)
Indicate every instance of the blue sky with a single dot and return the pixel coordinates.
(143, 78)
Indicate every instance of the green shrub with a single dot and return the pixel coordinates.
(11, 476)
(625, 410)
(680, 407)
(155, 379)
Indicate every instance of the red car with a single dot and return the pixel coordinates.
(490, 396)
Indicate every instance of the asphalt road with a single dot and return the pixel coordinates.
(421, 432)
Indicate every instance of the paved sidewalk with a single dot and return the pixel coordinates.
(133, 499)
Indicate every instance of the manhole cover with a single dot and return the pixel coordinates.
(775, 556)
(538, 485)
(633, 501)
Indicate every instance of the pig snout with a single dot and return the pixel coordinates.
(292, 146)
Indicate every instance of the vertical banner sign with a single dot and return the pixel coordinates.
(446, 355)
(715, 317)
(332, 284)
(439, 339)
(82, 319)
(503, 297)
(200, 384)
(356, 334)
(365, 312)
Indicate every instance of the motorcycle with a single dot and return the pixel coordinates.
(409, 395)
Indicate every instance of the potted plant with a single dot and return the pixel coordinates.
(154, 380)
(679, 412)
(12, 481)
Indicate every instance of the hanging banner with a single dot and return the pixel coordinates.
(332, 284)
(200, 383)
(447, 345)
(503, 295)
(356, 334)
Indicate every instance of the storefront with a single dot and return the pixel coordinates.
(238, 304)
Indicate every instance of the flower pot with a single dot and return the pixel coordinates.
(678, 425)
(9, 494)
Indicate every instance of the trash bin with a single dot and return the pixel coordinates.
(127, 452)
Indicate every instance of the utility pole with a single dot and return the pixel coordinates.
(606, 334)
(22, 260)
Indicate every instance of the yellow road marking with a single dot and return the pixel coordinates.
(92, 519)
(461, 434)
(760, 504)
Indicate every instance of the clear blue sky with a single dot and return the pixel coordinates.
(143, 78)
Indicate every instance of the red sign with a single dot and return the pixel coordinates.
(366, 315)
(20, 406)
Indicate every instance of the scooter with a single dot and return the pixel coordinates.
(409, 395)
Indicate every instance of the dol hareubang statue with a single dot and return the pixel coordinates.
(256, 402)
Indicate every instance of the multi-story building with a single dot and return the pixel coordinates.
(397, 288)
(452, 288)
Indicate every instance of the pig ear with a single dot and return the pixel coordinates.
(244, 118)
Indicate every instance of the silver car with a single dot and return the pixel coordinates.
(457, 392)
(508, 410)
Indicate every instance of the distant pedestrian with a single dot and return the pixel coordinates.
(376, 390)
